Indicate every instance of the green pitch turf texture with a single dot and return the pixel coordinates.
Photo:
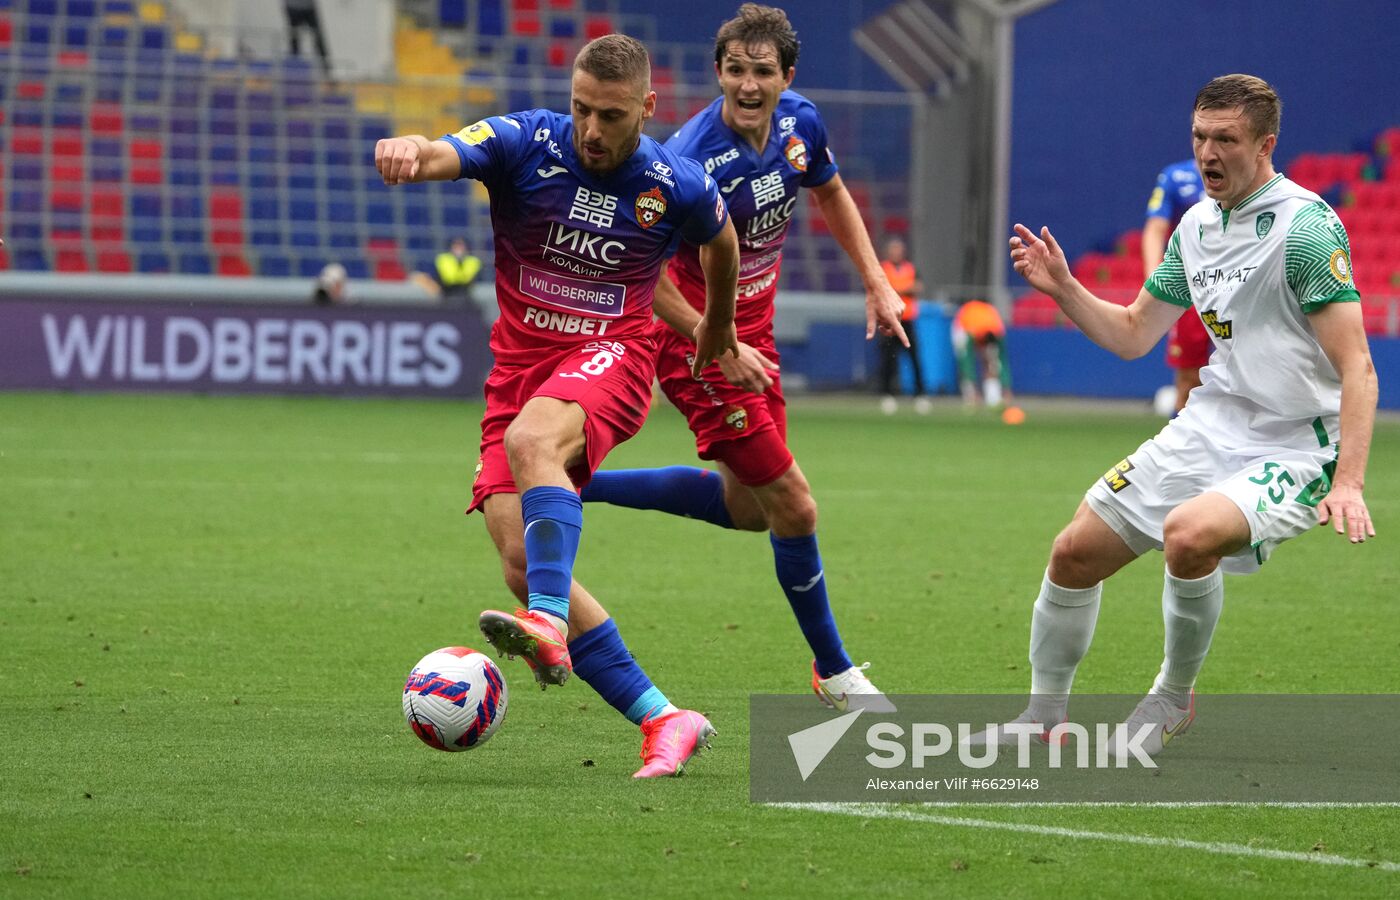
(208, 607)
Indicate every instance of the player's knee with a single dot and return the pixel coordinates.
(1189, 544)
(795, 515)
(522, 442)
(1071, 565)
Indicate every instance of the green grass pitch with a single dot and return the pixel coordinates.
(208, 607)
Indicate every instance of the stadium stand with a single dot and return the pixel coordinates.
(128, 145)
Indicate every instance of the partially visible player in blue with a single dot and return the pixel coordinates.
(763, 144)
(585, 210)
(1178, 189)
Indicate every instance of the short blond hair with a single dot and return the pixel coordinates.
(1255, 96)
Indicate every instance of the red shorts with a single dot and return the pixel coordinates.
(1188, 344)
(611, 380)
(745, 431)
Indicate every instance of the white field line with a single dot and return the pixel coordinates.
(877, 811)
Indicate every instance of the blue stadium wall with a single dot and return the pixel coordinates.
(1103, 94)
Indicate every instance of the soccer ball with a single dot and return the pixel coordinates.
(454, 699)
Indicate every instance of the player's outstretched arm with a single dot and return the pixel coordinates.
(882, 305)
(1340, 331)
(714, 333)
(1128, 331)
(413, 158)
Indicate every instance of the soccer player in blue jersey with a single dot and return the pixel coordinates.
(1178, 189)
(762, 143)
(585, 210)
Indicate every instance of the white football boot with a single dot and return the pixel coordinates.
(848, 689)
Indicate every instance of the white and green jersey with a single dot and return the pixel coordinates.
(1254, 272)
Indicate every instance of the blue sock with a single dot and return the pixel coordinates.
(679, 490)
(799, 566)
(604, 663)
(553, 520)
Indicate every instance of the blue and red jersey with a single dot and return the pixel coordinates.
(761, 191)
(1178, 189)
(578, 254)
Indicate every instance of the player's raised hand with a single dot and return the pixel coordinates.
(1346, 510)
(712, 342)
(748, 369)
(883, 308)
(1039, 260)
(397, 160)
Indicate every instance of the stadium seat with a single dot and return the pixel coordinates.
(274, 265)
(113, 261)
(233, 266)
(70, 259)
(195, 264)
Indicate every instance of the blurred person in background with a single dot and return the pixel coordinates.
(979, 341)
(1178, 189)
(904, 279)
(332, 286)
(456, 269)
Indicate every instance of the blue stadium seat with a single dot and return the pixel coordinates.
(452, 13)
(356, 268)
(338, 183)
(310, 266)
(224, 176)
(29, 259)
(75, 37)
(183, 149)
(490, 18)
(262, 179)
(43, 7)
(68, 118)
(274, 266)
(343, 240)
(153, 261)
(80, 9)
(379, 214)
(187, 206)
(335, 129)
(302, 210)
(302, 179)
(342, 211)
(262, 155)
(422, 240)
(145, 233)
(265, 237)
(147, 206)
(19, 230)
(153, 38)
(306, 238)
(264, 207)
(195, 264)
(454, 215)
(186, 176)
(186, 233)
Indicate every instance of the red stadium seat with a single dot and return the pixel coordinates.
(234, 266)
(27, 142)
(6, 35)
(526, 25)
(113, 261)
(70, 259)
(66, 142)
(105, 118)
(65, 175)
(226, 237)
(145, 175)
(558, 56)
(226, 206)
(30, 90)
(389, 270)
(597, 26)
(106, 202)
(144, 149)
(66, 200)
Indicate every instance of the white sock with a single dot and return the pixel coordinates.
(1190, 609)
(1062, 625)
(561, 624)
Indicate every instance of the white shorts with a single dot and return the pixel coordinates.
(1278, 492)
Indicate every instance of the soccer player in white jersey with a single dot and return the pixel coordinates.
(1274, 440)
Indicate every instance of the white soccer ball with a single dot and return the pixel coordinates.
(454, 699)
(1164, 401)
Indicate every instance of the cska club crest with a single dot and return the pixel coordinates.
(796, 153)
(650, 206)
(736, 417)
